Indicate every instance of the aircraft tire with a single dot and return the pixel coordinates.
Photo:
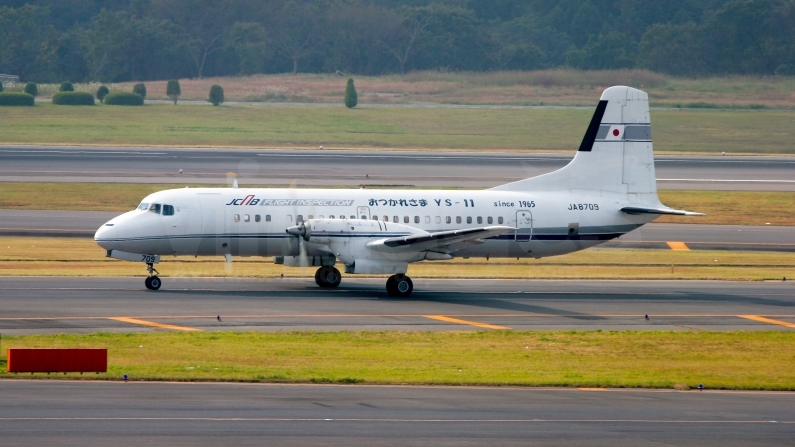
(328, 277)
(399, 286)
(148, 282)
(155, 283)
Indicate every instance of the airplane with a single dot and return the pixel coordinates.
(607, 190)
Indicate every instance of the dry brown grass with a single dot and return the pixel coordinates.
(544, 87)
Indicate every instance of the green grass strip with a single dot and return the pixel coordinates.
(719, 360)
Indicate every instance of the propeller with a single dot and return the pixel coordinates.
(301, 231)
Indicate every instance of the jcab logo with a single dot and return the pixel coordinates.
(248, 200)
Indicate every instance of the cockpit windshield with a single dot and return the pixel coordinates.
(155, 208)
(143, 206)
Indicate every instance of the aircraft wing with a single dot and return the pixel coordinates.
(441, 239)
(669, 211)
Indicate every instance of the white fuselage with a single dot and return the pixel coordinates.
(252, 222)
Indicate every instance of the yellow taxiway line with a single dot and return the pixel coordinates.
(467, 322)
(768, 320)
(678, 246)
(153, 324)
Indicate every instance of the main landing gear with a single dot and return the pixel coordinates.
(328, 277)
(152, 281)
(399, 286)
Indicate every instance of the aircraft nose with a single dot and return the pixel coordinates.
(106, 235)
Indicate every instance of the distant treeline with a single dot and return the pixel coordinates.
(123, 40)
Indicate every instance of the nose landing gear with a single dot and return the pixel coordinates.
(152, 281)
(328, 277)
(399, 286)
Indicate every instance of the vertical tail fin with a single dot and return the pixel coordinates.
(615, 156)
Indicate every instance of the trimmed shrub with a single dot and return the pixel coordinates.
(216, 94)
(16, 99)
(140, 90)
(124, 99)
(351, 98)
(73, 99)
(102, 92)
(32, 89)
(172, 90)
(66, 86)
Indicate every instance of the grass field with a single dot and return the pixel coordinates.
(546, 87)
(721, 207)
(31, 256)
(719, 360)
(690, 131)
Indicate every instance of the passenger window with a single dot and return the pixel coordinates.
(267, 218)
(289, 218)
(331, 216)
(246, 218)
(458, 219)
(386, 219)
(438, 219)
(257, 218)
(405, 219)
(427, 219)
(416, 219)
(155, 208)
(448, 219)
(353, 217)
(480, 220)
(375, 217)
(469, 219)
(237, 217)
(168, 210)
(299, 218)
(490, 220)
(499, 220)
(310, 216)
(364, 217)
(143, 206)
(395, 219)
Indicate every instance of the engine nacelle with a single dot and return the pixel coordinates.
(347, 239)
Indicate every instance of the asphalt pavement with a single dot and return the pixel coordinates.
(47, 305)
(189, 414)
(306, 168)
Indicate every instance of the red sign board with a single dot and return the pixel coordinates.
(57, 360)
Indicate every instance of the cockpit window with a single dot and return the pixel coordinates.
(155, 208)
(143, 206)
(168, 210)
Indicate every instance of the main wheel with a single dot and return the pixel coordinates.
(155, 283)
(148, 282)
(399, 285)
(328, 277)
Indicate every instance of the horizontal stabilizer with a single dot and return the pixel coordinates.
(428, 241)
(669, 211)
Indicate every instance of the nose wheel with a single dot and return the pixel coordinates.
(152, 282)
(328, 277)
(399, 286)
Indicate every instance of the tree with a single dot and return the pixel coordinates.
(204, 23)
(105, 46)
(1, 87)
(66, 86)
(297, 30)
(102, 92)
(248, 41)
(32, 89)
(351, 97)
(22, 31)
(140, 89)
(402, 42)
(216, 95)
(172, 90)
